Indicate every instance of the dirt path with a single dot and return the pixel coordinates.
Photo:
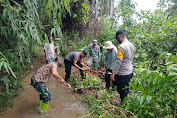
(63, 104)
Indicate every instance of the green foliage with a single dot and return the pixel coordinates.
(106, 33)
(102, 107)
(154, 91)
(126, 11)
(82, 13)
(25, 24)
(4, 63)
(153, 32)
(6, 99)
(90, 81)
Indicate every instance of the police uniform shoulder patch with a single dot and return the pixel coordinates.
(119, 53)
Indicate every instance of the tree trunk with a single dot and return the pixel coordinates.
(96, 15)
(112, 8)
(108, 7)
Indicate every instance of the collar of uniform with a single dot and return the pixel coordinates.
(124, 41)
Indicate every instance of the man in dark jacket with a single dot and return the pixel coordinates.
(75, 59)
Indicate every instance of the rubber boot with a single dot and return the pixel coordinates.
(88, 71)
(40, 103)
(44, 107)
(94, 72)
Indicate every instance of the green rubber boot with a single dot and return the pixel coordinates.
(44, 107)
(40, 103)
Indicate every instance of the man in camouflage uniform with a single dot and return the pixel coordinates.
(40, 77)
(95, 56)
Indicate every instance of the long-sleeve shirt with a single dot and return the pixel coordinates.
(110, 58)
(94, 51)
(125, 55)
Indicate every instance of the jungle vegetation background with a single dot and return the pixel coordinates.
(25, 24)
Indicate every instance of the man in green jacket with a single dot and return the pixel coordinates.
(95, 56)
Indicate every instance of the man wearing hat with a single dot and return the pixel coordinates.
(109, 61)
(95, 56)
(123, 69)
(75, 59)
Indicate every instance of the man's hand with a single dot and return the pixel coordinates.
(103, 69)
(59, 78)
(112, 77)
(86, 68)
(82, 69)
(66, 84)
(47, 59)
(69, 86)
(80, 49)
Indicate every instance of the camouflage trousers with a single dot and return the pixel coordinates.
(43, 91)
(93, 61)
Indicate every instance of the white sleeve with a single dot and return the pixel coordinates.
(45, 46)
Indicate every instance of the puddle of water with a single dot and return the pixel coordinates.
(63, 103)
(77, 106)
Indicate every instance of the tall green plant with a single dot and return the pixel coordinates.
(153, 92)
(23, 25)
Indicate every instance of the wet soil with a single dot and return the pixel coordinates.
(63, 103)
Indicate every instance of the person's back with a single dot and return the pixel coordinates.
(110, 58)
(43, 73)
(126, 66)
(38, 80)
(75, 59)
(72, 56)
(123, 69)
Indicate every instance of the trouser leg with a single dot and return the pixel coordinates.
(125, 91)
(125, 82)
(67, 69)
(44, 93)
(90, 61)
(40, 96)
(95, 63)
(81, 72)
(122, 82)
(107, 80)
